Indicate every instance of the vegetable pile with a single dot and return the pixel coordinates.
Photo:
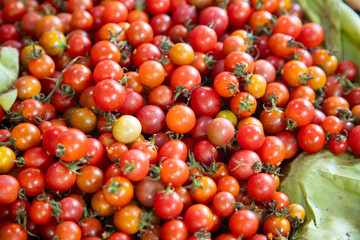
(165, 119)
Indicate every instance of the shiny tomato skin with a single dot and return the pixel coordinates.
(311, 138)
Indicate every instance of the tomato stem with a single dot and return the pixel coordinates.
(114, 187)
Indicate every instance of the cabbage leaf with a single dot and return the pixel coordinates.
(328, 187)
(9, 70)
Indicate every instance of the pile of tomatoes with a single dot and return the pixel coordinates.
(165, 119)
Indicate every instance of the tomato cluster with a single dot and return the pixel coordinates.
(165, 119)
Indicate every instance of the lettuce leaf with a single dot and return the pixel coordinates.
(9, 69)
(328, 187)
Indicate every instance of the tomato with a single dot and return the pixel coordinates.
(109, 95)
(239, 13)
(139, 32)
(59, 178)
(354, 140)
(279, 44)
(32, 180)
(14, 231)
(118, 191)
(289, 141)
(276, 226)
(349, 67)
(71, 209)
(181, 54)
(27, 136)
(272, 151)
(279, 90)
(250, 136)
(127, 219)
(99, 204)
(180, 119)
(311, 35)
(311, 138)
(293, 72)
(146, 189)
(119, 236)
(53, 42)
(220, 131)
(203, 38)
(90, 180)
(68, 230)
(237, 58)
(151, 73)
(326, 61)
(243, 222)
(7, 157)
(78, 45)
(174, 230)
(332, 124)
(265, 69)
(134, 101)
(185, 76)
(126, 129)
(261, 187)
(303, 91)
(241, 164)
(42, 67)
(183, 12)
(203, 189)
(27, 87)
(83, 119)
(91, 227)
(300, 110)
(243, 104)
(174, 171)
(223, 203)
(10, 189)
(331, 105)
(198, 216)
(71, 145)
(288, 24)
(104, 50)
(134, 165)
(226, 236)
(226, 84)
(168, 204)
(218, 16)
(49, 136)
(296, 210)
(78, 77)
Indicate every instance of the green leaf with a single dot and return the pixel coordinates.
(9, 68)
(7, 99)
(328, 187)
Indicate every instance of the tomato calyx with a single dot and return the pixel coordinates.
(174, 136)
(146, 221)
(212, 168)
(271, 208)
(202, 234)
(348, 85)
(155, 172)
(164, 60)
(233, 88)
(62, 43)
(266, 168)
(10, 143)
(20, 162)
(140, 5)
(290, 124)
(22, 218)
(129, 167)
(181, 90)
(189, 26)
(195, 184)
(114, 187)
(88, 214)
(114, 38)
(319, 97)
(293, 43)
(55, 206)
(240, 205)
(60, 4)
(304, 78)
(209, 61)
(110, 119)
(192, 163)
(259, 4)
(245, 105)
(75, 166)
(36, 53)
(346, 115)
(294, 56)
(240, 71)
(271, 100)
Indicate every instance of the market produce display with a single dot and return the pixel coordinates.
(179, 119)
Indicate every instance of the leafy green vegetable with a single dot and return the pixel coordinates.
(341, 26)
(328, 187)
(9, 70)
